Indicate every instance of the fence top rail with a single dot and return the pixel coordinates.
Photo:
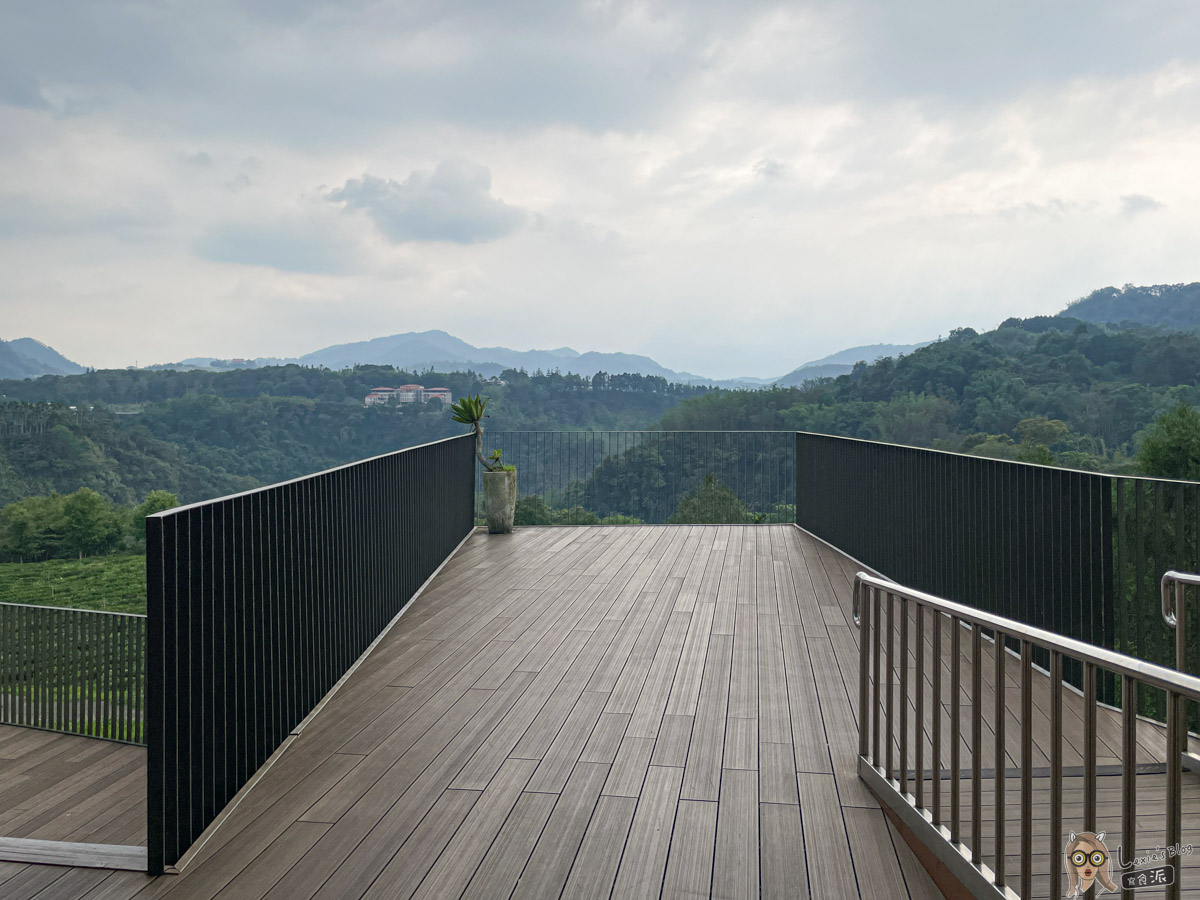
(1109, 660)
(98, 612)
(1007, 462)
(268, 487)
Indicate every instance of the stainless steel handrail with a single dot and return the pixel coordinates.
(1110, 660)
(874, 604)
(1178, 579)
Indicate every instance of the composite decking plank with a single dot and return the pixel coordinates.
(826, 844)
(605, 739)
(671, 745)
(774, 714)
(486, 761)
(690, 863)
(555, 766)
(808, 729)
(702, 775)
(741, 744)
(386, 815)
(456, 865)
(550, 863)
(260, 876)
(501, 868)
(784, 874)
(735, 866)
(599, 855)
(644, 862)
(402, 874)
(685, 689)
(743, 685)
(652, 701)
(875, 859)
(565, 697)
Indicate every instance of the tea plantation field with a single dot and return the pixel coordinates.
(111, 583)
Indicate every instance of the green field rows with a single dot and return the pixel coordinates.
(110, 583)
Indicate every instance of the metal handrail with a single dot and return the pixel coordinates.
(1179, 580)
(874, 610)
(1146, 672)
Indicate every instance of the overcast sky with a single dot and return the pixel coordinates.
(730, 188)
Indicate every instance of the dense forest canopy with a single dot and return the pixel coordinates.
(1048, 389)
(1101, 385)
(201, 434)
(1170, 305)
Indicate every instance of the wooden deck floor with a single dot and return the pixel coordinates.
(59, 787)
(577, 712)
(581, 712)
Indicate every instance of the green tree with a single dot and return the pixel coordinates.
(33, 528)
(713, 503)
(90, 525)
(532, 510)
(156, 501)
(1171, 447)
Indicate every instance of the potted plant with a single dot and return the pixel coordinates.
(499, 479)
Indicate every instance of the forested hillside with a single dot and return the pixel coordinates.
(201, 434)
(1170, 305)
(47, 448)
(1046, 389)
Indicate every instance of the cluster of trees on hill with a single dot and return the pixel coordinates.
(1049, 389)
(47, 448)
(83, 523)
(203, 434)
(1170, 305)
(1054, 390)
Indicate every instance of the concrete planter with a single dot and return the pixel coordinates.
(500, 500)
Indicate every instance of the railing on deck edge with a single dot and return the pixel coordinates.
(884, 749)
(1075, 553)
(258, 603)
(76, 671)
(591, 477)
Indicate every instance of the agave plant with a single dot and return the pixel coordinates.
(470, 411)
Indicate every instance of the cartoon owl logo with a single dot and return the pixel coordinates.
(1088, 862)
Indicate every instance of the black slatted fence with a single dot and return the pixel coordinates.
(73, 670)
(258, 603)
(1076, 553)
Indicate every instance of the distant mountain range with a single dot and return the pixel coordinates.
(842, 362)
(418, 350)
(1172, 306)
(414, 351)
(27, 358)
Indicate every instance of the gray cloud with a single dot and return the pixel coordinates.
(127, 218)
(1132, 204)
(453, 203)
(19, 87)
(292, 245)
(199, 159)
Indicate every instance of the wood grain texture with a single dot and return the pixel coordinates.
(575, 712)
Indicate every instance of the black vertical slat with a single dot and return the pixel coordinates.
(200, 659)
(159, 536)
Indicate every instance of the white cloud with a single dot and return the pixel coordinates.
(453, 203)
(730, 188)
